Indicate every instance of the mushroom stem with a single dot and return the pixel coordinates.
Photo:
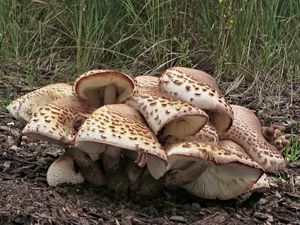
(110, 94)
(179, 177)
(111, 157)
(89, 169)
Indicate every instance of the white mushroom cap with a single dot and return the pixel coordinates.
(23, 107)
(121, 126)
(209, 171)
(246, 131)
(167, 116)
(62, 171)
(57, 122)
(183, 86)
(91, 86)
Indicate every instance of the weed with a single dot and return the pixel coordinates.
(292, 151)
(237, 41)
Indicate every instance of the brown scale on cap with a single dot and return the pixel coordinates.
(23, 107)
(121, 126)
(246, 130)
(210, 171)
(200, 76)
(58, 121)
(101, 87)
(185, 87)
(164, 115)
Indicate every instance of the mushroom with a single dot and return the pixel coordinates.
(63, 170)
(246, 130)
(58, 121)
(268, 133)
(199, 90)
(207, 170)
(164, 115)
(88, 168)
(23, 107)
(207, 133)
(261, 185)
(117, 126)
(101, 87)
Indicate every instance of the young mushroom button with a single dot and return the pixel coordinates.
(63, 170)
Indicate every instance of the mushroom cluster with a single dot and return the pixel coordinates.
(141, 134)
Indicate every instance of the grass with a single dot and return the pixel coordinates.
(292, 151)
(248, 45)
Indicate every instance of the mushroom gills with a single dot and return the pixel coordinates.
(188, 125)
(224, 181)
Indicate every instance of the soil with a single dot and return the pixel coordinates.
(25, 197)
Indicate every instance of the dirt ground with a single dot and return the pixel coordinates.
(25, 197)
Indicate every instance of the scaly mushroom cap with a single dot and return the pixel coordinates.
(167, 116)
(200, 76)
(122, 126)
(62, 171)
(23, 107)
(207, 133)
(58, 121)
(104, 87)
(147, 82)
(183, 86)
(209, 171)
(247, 132)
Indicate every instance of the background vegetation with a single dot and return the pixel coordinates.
(246, 44)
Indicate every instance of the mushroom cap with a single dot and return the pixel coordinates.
(121, 126)
(200, 76)
(224, 174)
(23, 107)
(183, 86)
(62, 170)
(231, 144)
(262, 184)
(147, 82)
(167, 116)
(247, 132)
(57, 121)
(207, 133)
(90, 85)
